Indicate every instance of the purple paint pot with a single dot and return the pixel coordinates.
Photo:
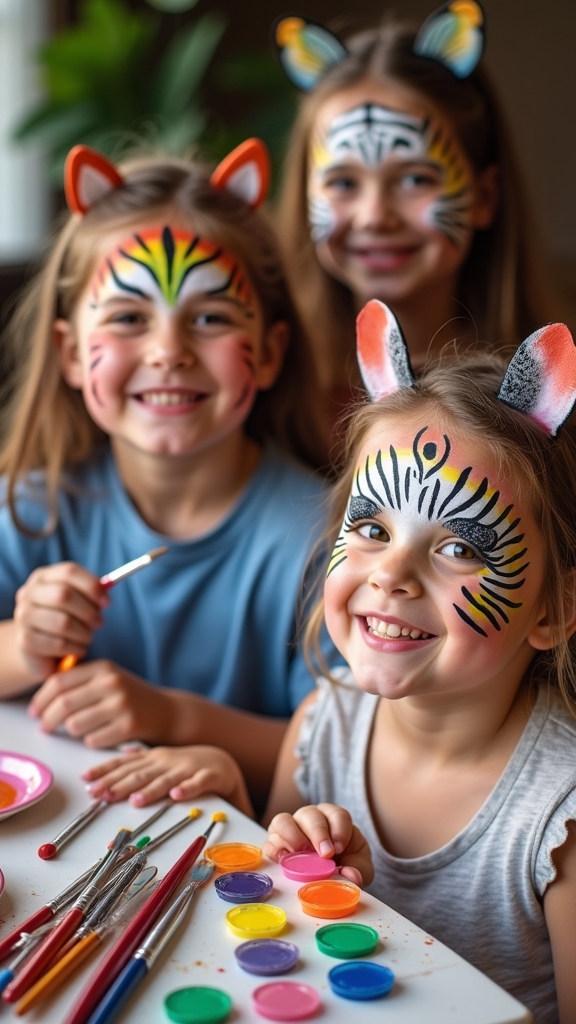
(244, 886)
(267, 956)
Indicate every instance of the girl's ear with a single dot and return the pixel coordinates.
(272, 354)
(544, 634)
(88, 176)
(305, 50)
(453, 35)
(246, 172)
(382, 351)
(487, 192)
(67, 348)
(541, 377)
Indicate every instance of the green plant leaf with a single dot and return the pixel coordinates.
(174, 6)
(54, 124)
(184, 64)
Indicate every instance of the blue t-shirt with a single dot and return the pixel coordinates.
(216, 615)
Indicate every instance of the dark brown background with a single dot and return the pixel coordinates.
(530, 53)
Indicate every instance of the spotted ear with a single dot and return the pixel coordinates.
(305, 50)
(245, 172)
(88, 176)
(454, 36)
(541, 377)
(382, 351)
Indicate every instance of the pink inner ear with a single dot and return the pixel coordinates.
(556, 354)
(382, 352)
(245, 171)
(88, 176)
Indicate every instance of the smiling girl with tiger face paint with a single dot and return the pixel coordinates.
(169, 345)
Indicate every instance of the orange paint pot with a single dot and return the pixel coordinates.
(330, 898)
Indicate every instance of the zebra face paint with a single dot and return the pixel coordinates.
(169, 341)
(392, 199)
(434, 560)
(419, 156)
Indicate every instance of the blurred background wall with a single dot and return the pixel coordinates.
(530, 53)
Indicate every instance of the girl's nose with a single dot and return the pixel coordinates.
(394, 572)
(170, 348)
(375, 210)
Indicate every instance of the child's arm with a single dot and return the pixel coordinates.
(560, 914)
(106, 705)
(326, 828)
(183, 773)
(56, 612)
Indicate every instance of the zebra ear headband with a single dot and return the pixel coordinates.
(453, 35)
(89, 175)
(540, 380)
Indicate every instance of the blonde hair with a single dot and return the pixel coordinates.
(499, 286)
(47, 426)
(463, 396)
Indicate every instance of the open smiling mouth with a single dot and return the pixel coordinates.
(393, 631)
(171, 398)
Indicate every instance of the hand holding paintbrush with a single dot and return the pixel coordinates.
(97, 700)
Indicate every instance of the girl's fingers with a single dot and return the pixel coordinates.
(340, 825)
(283, 829)
(98, 770)
(316, 825)
(59, 686)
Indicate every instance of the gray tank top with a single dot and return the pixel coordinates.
(481, 894)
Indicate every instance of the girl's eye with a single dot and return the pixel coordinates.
(457, 549)
(128, 317)
(210, 319)
(342, 183)
(418, 180)
(373, 531)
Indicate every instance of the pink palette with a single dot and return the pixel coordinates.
(23, 781)
(1, 883)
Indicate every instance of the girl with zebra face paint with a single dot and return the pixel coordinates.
(439, 769)
(400, 184)
(165, 398)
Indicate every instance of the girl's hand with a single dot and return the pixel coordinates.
(183, 773)
(56, 612)
(103, 704)
(330, 831)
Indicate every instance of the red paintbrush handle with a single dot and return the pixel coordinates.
(40, 917)
(43, 955)
(132, 937)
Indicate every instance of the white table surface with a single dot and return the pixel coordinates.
(433, 984)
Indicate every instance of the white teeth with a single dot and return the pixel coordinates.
(392, 631)
(167, 397)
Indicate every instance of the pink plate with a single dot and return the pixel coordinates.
(23, 781)
(1, 883)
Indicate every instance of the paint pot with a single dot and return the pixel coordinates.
(234, 856)
(331, 898)
(360, 980)
(346, 941)
(267, 956)
(244, 887)
(307, 866)
(286, 1000)
(256, 921)
(198, 1004)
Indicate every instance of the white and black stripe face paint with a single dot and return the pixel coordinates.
(429, 483)
(374, 137)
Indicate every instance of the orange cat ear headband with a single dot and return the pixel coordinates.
(89, 175)
(540, 379)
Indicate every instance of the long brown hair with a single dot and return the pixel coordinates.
(47, 426)
(499, 286)
(462, 395)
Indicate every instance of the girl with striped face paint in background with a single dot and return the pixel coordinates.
(163, 399)
(400, 185)
(440, 768)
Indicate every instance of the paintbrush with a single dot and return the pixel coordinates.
(110, 967)
(110, 579)
(191, 816)
(73, 917)
(105, 916)
(144, 958)
(48, 850)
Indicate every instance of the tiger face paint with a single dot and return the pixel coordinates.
(392, 199)
(438, 565)
(169, 341)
